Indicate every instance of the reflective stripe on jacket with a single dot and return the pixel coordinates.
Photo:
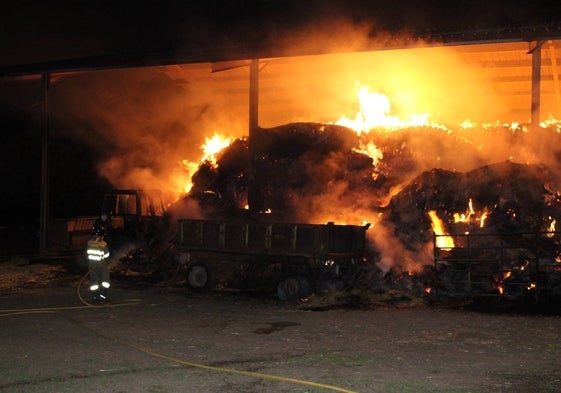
(97, 250)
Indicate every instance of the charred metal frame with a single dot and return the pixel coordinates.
(483, 264)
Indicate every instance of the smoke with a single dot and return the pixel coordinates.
(143, 122)
(422, 78)
(146, 121)
(393, 253)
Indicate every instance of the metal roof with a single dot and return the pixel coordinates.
(491, 37)
(58, 36)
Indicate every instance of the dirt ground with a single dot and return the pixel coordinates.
(162, 339)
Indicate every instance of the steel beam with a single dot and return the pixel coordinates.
(45, 131)
(536, 52)
(253, 194)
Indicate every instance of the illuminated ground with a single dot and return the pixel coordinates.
(162, 340)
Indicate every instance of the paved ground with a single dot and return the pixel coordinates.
(160, 340)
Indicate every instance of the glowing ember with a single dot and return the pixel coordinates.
(500, 280)
(482, 219)
(444, 242)
(551, 229)
(551, 122)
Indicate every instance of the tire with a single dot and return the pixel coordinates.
(200, 278)
(293, 288)
(305, 289)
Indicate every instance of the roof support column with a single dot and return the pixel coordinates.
(555, 72)
(44, 202)
(253, 194)
(536, 52)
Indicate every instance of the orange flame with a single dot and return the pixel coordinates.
(210, 148)
(499, 283)
(190, 167)
(214, 145)
(375, 111)
(551, 229)
(444, 242)
(471, 216)
(372, 151)
(484, 216)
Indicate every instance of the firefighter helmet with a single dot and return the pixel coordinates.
(101, 226)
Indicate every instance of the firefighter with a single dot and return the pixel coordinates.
(98, 253)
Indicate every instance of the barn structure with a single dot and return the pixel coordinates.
(262, 53)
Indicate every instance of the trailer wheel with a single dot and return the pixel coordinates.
(293, 288)
(200, 278)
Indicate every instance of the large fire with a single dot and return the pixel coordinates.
(210, 148)
(396, 148)
(374, 114)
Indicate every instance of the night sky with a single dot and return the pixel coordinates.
(57, 31)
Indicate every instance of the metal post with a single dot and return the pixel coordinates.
(555, 72)
(44, 203)
(253, 194)
(536, 52)
(253, 96)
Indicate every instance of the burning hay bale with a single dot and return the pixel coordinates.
(299, 166)
(292, 163)
(312, 171)
(515, 197)
(502, 242)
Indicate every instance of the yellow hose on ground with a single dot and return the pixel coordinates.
(6, 313)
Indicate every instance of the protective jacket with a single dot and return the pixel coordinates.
(98, 249)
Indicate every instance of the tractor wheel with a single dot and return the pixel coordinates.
(293, 288)
(200, 278)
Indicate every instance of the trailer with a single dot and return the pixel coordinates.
(292, 259)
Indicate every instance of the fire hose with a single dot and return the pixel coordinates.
(87, 305)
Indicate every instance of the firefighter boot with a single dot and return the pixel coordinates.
(103, 296)
(95, 296)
